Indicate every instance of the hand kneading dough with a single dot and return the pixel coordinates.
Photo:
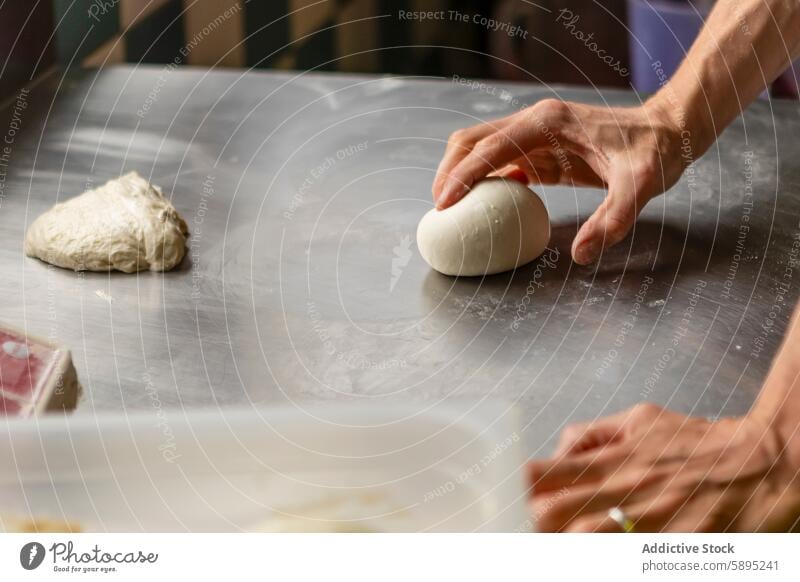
(126, 225)
(500, 225)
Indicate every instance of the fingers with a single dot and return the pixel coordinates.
(459, 145)
(554, 142)
(585, 436)
(565, 472)
(600, 465)
(488, 155)
(597, 523)
(582, 437)
(651, 515)
(582, 455)
(589, 452)
(626, 485)
(557, 512)
(547, 167)
(615, 217)
(534, 128)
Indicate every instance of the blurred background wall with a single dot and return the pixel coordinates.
(588, 42)
(333, 35)
(366, 36)
(24, 50)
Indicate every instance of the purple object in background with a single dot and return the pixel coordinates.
(661, 33)
(787, 86)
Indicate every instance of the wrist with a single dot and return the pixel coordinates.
(693, 128)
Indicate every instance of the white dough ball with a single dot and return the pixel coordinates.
(498, 226)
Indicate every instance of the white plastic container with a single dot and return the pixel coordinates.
(335, 468)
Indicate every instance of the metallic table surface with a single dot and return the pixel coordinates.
(303, 281)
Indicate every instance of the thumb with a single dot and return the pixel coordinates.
(610, 223)
(512, 172)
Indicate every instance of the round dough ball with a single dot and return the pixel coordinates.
(500, 225)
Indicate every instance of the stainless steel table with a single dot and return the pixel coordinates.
(303, 280)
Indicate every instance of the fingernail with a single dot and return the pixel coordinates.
(451, 191)
(451, 187)
(586, 252)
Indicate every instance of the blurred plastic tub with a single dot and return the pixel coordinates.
(335, 468)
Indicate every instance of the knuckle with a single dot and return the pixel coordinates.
(646, 410)
(482, 147)
(461, 137)
(550, 110)
(466, 172)
(492, 143)
(500, 139)
(572, 432)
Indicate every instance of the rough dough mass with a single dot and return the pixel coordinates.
(127, 224)
(500, 225)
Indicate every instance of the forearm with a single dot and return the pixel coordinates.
(743, 47)
(778, 405)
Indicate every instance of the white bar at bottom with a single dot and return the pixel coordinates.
(401, 557)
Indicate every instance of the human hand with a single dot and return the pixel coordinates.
(668, 472)
(635, 153)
